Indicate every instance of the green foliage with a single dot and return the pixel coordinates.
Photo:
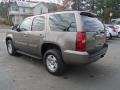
(108, 3)
(108, 6)
(3, 10)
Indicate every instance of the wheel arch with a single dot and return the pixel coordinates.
(9, 37)
(48, 45)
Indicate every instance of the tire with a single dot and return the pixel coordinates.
(10, 48)
(53, 62)
(110, 36)
(119, 35)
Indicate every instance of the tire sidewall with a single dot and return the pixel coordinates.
(58, 57)
(13, 49)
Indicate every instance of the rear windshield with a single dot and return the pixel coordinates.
(111, 26)
(92, 24)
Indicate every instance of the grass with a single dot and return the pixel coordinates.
(4, 26)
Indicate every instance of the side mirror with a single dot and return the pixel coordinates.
(18, 29)
(14, 27)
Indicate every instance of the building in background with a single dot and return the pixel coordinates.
(43, 7)
(19, 10)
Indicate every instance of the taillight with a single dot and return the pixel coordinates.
(81, 41)
(114, 30)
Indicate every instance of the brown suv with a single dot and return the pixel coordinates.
(69, 37)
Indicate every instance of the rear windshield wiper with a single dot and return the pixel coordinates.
(88, 14)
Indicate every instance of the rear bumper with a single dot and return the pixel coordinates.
(114, 34)
(75, 57)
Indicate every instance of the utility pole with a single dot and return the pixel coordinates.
(93, 4)
(8, 11)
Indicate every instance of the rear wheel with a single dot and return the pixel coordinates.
(53, 62)
(110, 36)
(10, 48)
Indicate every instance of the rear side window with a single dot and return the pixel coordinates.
(92, 24)
(38, 23)
(63, 22)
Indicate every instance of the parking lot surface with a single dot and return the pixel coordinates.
(25, 73)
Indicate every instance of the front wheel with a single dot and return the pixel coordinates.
(53, 62)
(10, 48)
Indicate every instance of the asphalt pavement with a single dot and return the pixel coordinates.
(25, 73)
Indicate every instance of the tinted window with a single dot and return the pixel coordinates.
(111, 26)
(38, 24)
(26, 25)
(63, 22)
(91, 24)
